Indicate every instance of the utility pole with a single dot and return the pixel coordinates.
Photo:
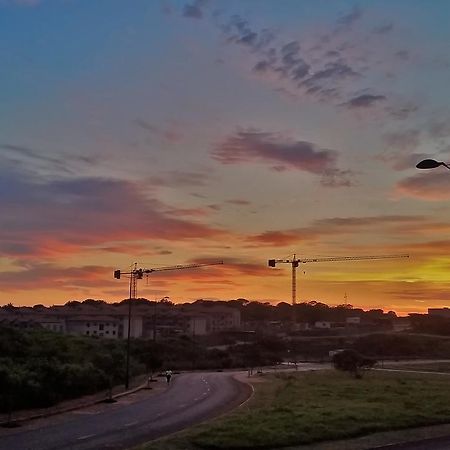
(133, 292)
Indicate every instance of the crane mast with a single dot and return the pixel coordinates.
(295, 262)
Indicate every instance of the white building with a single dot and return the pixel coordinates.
(353, 320)
(218, 318)
(93, 325)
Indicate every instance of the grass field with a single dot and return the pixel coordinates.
(299, 408)
(422, 366)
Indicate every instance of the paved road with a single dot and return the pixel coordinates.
(191, 398)
(440, 443)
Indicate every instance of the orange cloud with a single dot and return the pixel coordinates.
(66, 216)
(37, 276)
(432, 186)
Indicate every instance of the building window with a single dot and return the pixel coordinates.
(114, 332)
(88, 324)
(87, 332)
(101, 326)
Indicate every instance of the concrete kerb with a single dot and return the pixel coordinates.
(62, 410)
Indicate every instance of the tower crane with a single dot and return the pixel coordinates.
(295, 262)
(137, 274)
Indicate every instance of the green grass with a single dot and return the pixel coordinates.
(300, 408)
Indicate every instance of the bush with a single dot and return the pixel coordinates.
(353, 362)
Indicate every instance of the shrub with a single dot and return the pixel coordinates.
(352, 361)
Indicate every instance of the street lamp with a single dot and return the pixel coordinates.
(430, 164)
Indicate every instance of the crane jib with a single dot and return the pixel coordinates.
(296, 261)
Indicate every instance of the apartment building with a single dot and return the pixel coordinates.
(103, 320)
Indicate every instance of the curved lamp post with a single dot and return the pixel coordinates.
(431, 164)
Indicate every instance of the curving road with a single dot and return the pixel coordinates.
(439, 443)
(191, 398)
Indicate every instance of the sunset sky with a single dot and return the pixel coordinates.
(174, 132)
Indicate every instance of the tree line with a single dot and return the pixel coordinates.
(39, 368)
(309, 312)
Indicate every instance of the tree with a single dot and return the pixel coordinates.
(107, 363)
(166, 301)
(12, 380)
(150, 355)
(73, 303)
(93, 302)
(352, 361)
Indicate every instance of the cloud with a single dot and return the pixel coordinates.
(277, 238)
(431, 250)
(338, 178)
(323, 82)
(38, 160)
(403, 110)
(283, 154)
(384, 29)
(432, 186)
(239, 202)
(403, 140)
(403, 55)
(238, 31)
(34, 158)
(195, 9)
(233, 267)
(350, 18)
(39, 275)
(350, 223)
(178, 178)
(166, 7)
(170, 133)
(246, 146)
(420, 291)
(439, 128)
(47, 218)
(281, 60)
(400, 145)
(338, 67)
(364, 101)
(335, 226)
(402, 161)
(231, 273)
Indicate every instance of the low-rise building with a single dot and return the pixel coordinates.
(441, 312)
(148, 319)
(353, 320)
(94, 325)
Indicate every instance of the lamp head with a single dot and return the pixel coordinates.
(430, 164)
